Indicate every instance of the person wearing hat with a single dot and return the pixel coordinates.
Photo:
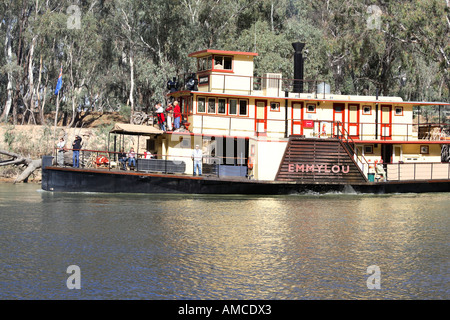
(76, 146)
(197, 158)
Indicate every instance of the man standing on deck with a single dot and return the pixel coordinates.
(160, 115)
(60, 155)
(176, 115)
(76, 146)
(197, 157)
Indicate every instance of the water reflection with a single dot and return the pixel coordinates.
(222, 247)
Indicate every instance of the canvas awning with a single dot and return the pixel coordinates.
(135, 129)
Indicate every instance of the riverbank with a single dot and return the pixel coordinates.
(35, 141)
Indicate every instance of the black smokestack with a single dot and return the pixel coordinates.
(298, 66)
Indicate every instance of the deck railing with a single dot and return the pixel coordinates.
(231, 83)
(348, 143)
(363, 131)
(418, 171)
(89, 160)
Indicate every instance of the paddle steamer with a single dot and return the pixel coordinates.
(270, 135)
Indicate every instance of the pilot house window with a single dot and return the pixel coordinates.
(221, 62)
(204, 63)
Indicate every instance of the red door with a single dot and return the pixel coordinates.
(261, 117)
(338, 118)
(297, 117)
(386, 122)
(353, 121)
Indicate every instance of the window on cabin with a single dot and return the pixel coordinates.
(201, 105)
(311, 108)
(204, 63)
(185, 142)
(274, 106)
(221, 106)
(232, 106)
(242, 107)
(211, 105)
(368, 149)
(201, 64)
(398, 111)
(221, 62)
(367, 110)
(190, 102)
(227, 63)
(209, 63)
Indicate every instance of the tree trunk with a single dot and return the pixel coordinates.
(9, 87)
(38, 87)
(17, 159)
(31, 78)
(56, 115)
(131, 82)
(32, 166)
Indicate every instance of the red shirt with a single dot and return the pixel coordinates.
(161, 117)
(177, 111)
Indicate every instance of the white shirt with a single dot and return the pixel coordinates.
(61, 145)
(197, 154)
(148, 155)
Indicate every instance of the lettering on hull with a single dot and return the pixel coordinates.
(319, 168)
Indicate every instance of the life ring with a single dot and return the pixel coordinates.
(250, 162)
(101, 160)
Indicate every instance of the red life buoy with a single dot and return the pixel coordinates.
(101, 160)
(250, 162)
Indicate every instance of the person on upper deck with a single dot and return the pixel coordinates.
(160, 115)
(169, 111)
(176, 115)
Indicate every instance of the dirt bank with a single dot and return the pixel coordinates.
(36, 141)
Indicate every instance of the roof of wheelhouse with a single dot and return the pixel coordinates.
(208, 52)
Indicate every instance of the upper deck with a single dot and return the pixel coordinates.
(231, 101)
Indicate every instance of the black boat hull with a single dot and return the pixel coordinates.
(80, 180)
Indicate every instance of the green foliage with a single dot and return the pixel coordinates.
(9, 137)
(145, 43)
(125, 111)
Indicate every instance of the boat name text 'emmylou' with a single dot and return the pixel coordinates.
(296, 167)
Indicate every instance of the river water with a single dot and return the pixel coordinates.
(223, 247)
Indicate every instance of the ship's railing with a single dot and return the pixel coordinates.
(363, 131)
(95, 159)
(349, 144)
(231, 83)
(418, 171)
